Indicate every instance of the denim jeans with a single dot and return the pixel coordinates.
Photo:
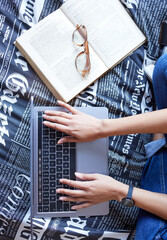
(154, 177)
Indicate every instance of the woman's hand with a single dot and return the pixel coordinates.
(79, 126)
(95, 188)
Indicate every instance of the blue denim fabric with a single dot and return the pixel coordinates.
(160, 83)
(154, 177)
(154, 146)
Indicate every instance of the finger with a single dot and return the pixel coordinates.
(56, 119)
(71, 199)
(82, 205)
(58, 113)
(56, 126)
(67, 139)
(75, 184)
(68, 107)
(69, 192)
(86, 177)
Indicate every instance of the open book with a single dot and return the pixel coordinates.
(48, 46)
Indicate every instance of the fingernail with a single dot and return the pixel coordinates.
(78, 174)
(60, 141)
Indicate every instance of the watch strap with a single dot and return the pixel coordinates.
(130, 191)
(127, 201)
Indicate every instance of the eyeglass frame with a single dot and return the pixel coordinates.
(87, 68)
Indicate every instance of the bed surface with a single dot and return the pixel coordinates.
(125, 90)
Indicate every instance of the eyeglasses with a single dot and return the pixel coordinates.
(82, 60)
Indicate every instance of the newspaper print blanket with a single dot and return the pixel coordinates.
(125, 90)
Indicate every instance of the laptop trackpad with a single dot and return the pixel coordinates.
(91, 158)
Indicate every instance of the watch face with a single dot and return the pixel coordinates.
(127, 202)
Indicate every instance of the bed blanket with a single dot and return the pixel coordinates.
(125, 90)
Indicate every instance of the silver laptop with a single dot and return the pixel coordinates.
(51, 161)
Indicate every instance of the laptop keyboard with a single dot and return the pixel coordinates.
(54, 162)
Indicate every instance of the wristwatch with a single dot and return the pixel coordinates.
(127, 201)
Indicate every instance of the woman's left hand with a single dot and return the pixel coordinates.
(95, 188)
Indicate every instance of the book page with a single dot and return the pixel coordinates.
(111, 31)
(50, 46)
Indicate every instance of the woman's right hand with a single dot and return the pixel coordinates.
(79, 126)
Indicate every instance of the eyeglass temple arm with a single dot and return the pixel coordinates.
(86, 50)
(83, 34)
(86, 47)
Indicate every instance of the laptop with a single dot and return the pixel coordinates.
(51, 161)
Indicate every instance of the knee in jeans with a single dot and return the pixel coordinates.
(160, 72)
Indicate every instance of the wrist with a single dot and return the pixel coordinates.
(122, 191)
(106, 128)
(119, 191)
(128, 201)
(111, 127)
(102, 128)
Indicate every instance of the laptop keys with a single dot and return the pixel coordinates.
(59, 206)
(53, 207)
(54, 162)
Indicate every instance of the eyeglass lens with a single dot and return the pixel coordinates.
(80, 35)
(82, 62)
